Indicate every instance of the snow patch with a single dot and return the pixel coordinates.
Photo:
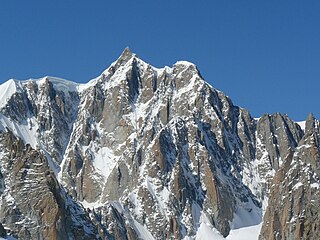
(60, 84)
(104, 161)
(245, 233)
(27, 130)
(185, 63)
(302, 124)
(245, 217)
(7, 89)
(298, 185)
(142, 231)
(92, 205)
(162, 197)
(205, 230)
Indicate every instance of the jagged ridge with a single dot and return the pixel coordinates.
(158, 153)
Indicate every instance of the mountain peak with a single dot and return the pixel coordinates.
(7, 89)
(126, 54)
(310, 122)
(136, 142)
(127, 51)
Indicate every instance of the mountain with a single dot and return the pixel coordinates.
(147, 153)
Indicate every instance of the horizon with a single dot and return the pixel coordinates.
(137, 55)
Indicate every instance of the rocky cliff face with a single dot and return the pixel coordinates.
(33, 205)
(148, 153)
(293, 209)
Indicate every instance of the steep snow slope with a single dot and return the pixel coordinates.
(7, 89)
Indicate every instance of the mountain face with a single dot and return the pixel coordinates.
(147, 153)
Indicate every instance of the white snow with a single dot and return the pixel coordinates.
(185, 63)
(142, 231)
(246, 215)
(246, 223)
(136, 203)
(12, 86)
(161, 197)
(104, 161)
(205, 230)
(83, 86)
(119, 75)
(298, 185)
(245, 233)
(27, 131)
(315, 185)
(302, 124)
(188, 90)
(7, 89)
(64, 85)
(92, 205)
(59, 83)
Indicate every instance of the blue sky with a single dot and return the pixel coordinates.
(264, 54)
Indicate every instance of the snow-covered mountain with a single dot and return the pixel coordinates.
(147, 153)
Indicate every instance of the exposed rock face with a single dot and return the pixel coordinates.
(169, 133)
(150, 153)
(276, 137)
(33, 205)
(45, 113)
(294, 204)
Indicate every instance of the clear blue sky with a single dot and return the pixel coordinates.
(264, 54)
